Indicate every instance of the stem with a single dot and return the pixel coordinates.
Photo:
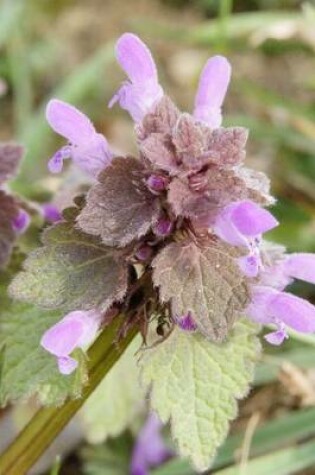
(48, 422)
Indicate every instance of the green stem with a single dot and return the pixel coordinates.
(48, 422)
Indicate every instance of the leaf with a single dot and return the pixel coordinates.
(26, 368)
(71, 271)
(119, 208)
(10, 157)
(204, 280)
(190, 140)
(161, 120)
(226, 146)
(159, 152)
(195, 384)
(8, 211)
(114, 405)
(258, 185)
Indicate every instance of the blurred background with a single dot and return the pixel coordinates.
(64, 49)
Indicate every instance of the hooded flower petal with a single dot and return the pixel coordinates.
(301, 266)
(150, 450)
(142, 91)
(76, 330)
(88, 149)
(213, 84)
(277, 337)
(271, 306)
(242, 220)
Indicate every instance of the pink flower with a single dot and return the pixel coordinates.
(88, 149)
(142, 91)
(213, 84)
(76, 330)
(150, 450)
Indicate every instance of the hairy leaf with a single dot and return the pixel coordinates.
(190, 140)
(159, 152)
(114, 405)
(204, 280)
(10, 157)
(119, 208)
(161, 120)
(26, 368)
(258, 185)
(71, 271)
(226, 146)
(195, 384)
(8, 211)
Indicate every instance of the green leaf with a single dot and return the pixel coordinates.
(26, 369)
(116, 402)
(72, 271)
(195, 384)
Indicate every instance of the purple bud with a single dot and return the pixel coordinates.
(144, 252)
(186, 322)
(51, 213)
(21, 222)
(163, 227)
(157, 183)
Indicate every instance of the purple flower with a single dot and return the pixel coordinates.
(186, 322)
(21, 222)
(88, 149)
(242, 221)
(150, 450)
(213, 84)
(300, 266)
(76, 330)
(142, 91)
(163, 227)
(51, 213)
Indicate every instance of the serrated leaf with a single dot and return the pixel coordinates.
(72, 271)
(190, 140)
(159, 152)
(26, 368)
(116, 402)
(8, 211)
(161, 120)
(205, 280)
(226, 146)
(10, 157)
(195, 384)
(119, 208)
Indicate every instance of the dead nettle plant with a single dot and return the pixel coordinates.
(173, 239)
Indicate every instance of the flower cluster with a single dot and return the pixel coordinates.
(187, 210)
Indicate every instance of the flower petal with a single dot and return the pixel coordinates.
(76, 329)
(21, 222)
(51, 213)
(293, 311)
(213, 84)
(250, 219)
(249, 265)
(150, 450)
(277, 337)
(301, 266)
(67, 365)
(135, 59)
(69, 122)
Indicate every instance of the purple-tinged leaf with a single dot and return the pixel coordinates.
(226, 146)
(204, 280)
(120, 208)
(8, 212)
(160, 153)
(161, 120)
(190, 140)
(257, 184)
(10, 157)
